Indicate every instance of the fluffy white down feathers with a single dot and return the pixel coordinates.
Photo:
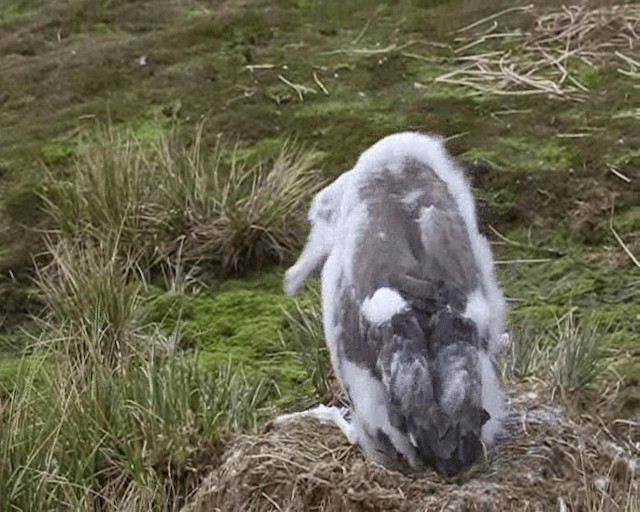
(341, 218)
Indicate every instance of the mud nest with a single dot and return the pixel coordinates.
(554, 463)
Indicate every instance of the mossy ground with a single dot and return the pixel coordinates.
(149, 66)
(241, 321)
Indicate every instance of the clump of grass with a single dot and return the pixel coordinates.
(305, 337)
(139, 438)
(530, 352)
(109, 190)
(232, 213)
(582, 353)
(576, 354)
(93, 299)
(107, 418)
(167, 200)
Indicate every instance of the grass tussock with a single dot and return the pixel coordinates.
(169, 200)
(529, 352)
(85, 436)
(108, 191)
(575, 355)
(582, 354)
(235, 213)
(94, 300)
(305, 338)
(108, 416)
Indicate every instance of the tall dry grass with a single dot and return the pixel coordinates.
(108, 416)
(233, 213)
(167, 198)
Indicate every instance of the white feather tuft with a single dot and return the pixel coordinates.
(383, 305)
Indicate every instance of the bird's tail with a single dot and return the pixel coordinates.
(434, 383)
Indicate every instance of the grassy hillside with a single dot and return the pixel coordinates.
(146, 140)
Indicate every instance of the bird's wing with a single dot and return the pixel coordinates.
(426, 362)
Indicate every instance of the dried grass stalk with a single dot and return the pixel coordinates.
(544, 58)
(307, 466)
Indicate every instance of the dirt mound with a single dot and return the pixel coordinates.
(553, 464)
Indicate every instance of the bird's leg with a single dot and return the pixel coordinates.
(324, 414)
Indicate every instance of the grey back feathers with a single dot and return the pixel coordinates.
(411, 308)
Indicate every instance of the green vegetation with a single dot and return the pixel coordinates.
(245, 325)
(57, 153)
(85, 435)
(157, 160)
(165, 201)
(581, 354)
(13, 9)
(109, 412)
(528, 155)
(566, 311)
(309, 346)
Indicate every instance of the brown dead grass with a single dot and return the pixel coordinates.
(496, 59)
(555, 462)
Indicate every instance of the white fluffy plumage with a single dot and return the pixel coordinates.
(412, 312)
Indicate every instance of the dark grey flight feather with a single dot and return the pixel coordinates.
(420, 354)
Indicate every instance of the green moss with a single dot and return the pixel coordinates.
(264, 149)
(269, 281)
(57, 153)
(147, 126)
(589, 76)
(524, 154)
(242, 321)
(167, 308)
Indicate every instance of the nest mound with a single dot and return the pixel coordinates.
(554, 463)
